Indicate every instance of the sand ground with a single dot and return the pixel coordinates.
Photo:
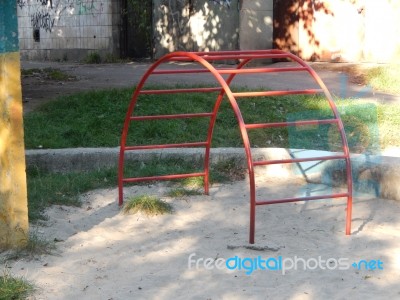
(103, 254)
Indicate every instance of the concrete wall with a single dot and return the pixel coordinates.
(171, 26)
(214, 25)
(256, 18)
(195, 25)
(327, 30)
(340, 30)
(382, 31)
(70, 29)
(13, 194)
(67, 29)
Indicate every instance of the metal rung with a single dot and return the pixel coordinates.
(177, 91)
(296, 160)
(187, 71)
(260, 70)
(237, 52)
(278, 93)
(231, 70)
(179, 116)
(163, 177)
(295, 123)
(309, 198)
(183, 145)
(230, 56)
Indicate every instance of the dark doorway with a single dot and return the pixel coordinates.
(137, 29)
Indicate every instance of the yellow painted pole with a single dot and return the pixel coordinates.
(14, 224)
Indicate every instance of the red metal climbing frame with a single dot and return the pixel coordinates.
(243, 57)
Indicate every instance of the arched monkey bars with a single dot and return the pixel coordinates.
(244, 57)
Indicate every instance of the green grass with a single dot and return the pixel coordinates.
(384, 78)
(81, 120)
(149, 205)
(14, 288)
(93, 58)
(46, 188)
(30, 72)
(195, 182)
(36, 246)
(229, 169)
(48, 74)
(94, 119)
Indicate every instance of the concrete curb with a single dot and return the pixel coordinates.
(378, 175)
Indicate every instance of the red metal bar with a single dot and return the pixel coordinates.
(231, 57)
(203, 58)
(246, 144)
(162, 146)
(260, 70)
(309, 198)
(287, 124)
(179, 116)
(177, 91)
(125, 129)
(231, 70)
(239, 52)
(346, 151)
(185, 71)
(163, 177)
(211, 128)
(278, 93)
(297, 160)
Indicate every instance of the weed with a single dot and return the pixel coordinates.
(14, 288)
(93, 58)
(35, 247)
(228, 170)
(148, 205)
(192, 182)
(48, 74)
(30, 72)
(111, 58)
(56, 74)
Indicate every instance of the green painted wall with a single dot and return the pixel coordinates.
(8, 26)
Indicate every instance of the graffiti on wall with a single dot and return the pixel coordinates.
(174, 10)
(88, 7)
(42, 19)
(21, 3)
(46, 13)
(226, 3)
(46, 3)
